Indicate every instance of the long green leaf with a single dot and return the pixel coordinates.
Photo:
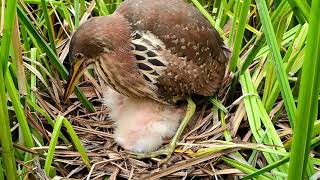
(53, 143)
(77, 143)
(245, 168)
(280, 70)
(19, 111)
(76, 13)
(48, 25)
(267, 168)
(307, 111)
(239, 35)
(5, 133)
(300, 9)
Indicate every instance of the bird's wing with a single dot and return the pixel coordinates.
(183, 30)
(146, 47)
(183, 40)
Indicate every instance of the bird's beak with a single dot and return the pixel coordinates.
(77, 71)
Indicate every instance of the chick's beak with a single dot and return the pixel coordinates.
(77, 71)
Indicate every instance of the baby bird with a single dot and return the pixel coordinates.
(151, 54)
(141, 125)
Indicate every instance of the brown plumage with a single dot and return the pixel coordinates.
(157, 50)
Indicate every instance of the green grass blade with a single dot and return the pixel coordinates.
(218, 104)
(82, 9)
(301, 9)
(256, 116)
(280, 70)
(77, 143)
(53, 143)
(33, 78)
(6, 39)
(284, 160)
(39, 2)
(307, 111)
(258, 44)
(239, 35)
(67, 16)
(19, 111)
(54, 138)
(244, 168)
(5, 133)
(267, 168)
(282, 9)
(1, 169)
(76, 13)
(103, 10)
(234, 23)
(48, 25)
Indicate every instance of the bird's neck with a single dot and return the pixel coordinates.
(121, 75)
(119, 66)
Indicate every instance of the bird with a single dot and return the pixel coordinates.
(153, 55)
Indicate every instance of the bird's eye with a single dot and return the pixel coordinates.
(79, 56)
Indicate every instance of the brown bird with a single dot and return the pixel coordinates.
(152, 54)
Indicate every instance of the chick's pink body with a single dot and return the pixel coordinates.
(141, 125)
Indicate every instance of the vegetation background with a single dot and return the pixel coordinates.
(268, 129)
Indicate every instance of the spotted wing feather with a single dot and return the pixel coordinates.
(145, 47)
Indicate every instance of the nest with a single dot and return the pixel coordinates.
(109, 159)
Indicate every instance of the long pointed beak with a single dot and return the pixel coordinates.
(77, 71)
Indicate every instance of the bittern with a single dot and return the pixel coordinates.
(151, 54)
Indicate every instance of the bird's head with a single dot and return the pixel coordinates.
(97, 37)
